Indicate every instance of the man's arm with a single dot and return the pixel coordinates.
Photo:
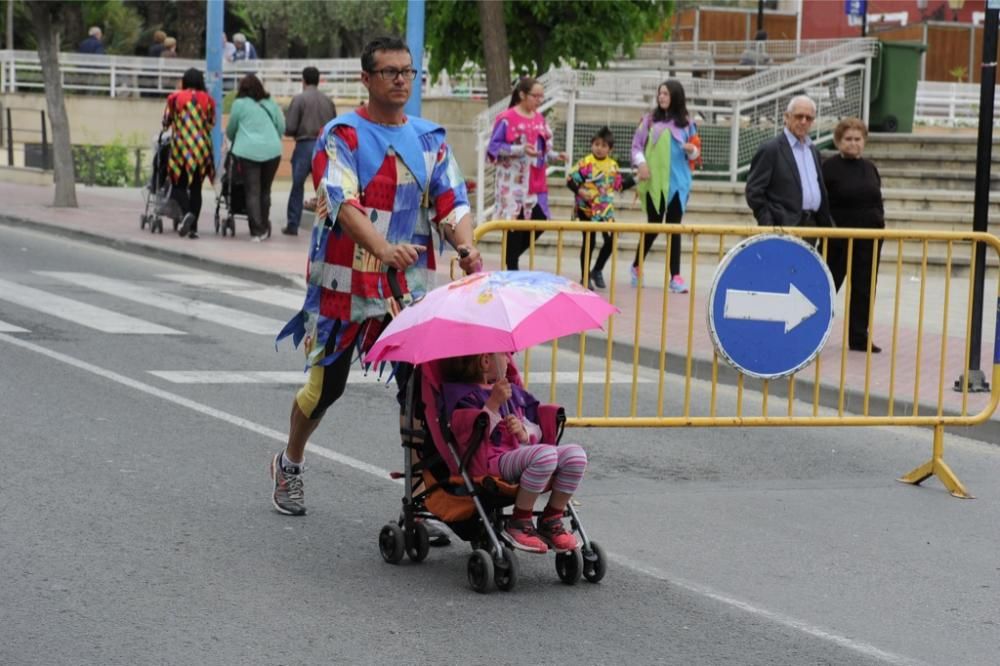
(758, 180)
(360, 229)
(293, 117)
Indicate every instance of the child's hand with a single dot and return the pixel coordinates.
(516, 428)
(531, 151)
(643, 172)
(690, 149)
(499, 395)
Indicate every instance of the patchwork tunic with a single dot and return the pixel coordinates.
(405, 180)
(191, 116)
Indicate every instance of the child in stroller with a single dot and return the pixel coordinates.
(469, 461)
(514, 449)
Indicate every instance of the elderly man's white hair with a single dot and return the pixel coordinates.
(94, 32)
(800, 98)
(239, 37)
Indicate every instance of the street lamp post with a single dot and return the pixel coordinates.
(213, 68)
(984, 154)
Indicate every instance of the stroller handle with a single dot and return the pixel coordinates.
(393, 276)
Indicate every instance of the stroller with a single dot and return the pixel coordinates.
(438, 486)
(232, 194)
(157, 192)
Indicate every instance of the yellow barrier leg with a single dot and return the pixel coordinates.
(937, 466)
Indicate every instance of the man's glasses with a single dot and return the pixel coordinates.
(803, 116)
(391, 73)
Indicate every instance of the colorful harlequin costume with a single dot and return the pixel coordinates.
(521, 181)
(191, 116)
(595, 182)
(404, 179)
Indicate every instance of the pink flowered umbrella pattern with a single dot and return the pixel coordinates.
(499, 311)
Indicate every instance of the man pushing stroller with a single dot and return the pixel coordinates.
(368, 220)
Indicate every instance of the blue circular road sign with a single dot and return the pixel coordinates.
(770, 309)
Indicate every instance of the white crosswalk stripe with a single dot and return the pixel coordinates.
(190, 307)
(83, 314)
(10, 328)
(285, 298)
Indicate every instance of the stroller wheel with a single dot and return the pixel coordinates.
(595, 563)
(156, 225)
(480, 570)
(505, 571)
(418, 543)
(216, 221)
(142, 221)
(231, 224)
(391, 543)
(569, 566)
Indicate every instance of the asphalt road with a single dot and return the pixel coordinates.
(136, 524)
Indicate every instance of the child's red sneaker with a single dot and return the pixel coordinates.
(553, 532)
(522, 535)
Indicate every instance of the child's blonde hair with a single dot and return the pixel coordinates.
(462, 369)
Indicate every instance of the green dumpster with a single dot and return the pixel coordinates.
(895, 72)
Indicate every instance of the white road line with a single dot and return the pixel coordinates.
(217, 314)
(356, 377)
(196, 406)
(778, 618)
(10, 328)
(83, 314)
(284, 298)
(638, 567)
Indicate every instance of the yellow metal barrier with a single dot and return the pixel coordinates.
(913, 351)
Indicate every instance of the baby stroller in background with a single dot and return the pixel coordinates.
(437, 485)
(157, 191)
(232, 193)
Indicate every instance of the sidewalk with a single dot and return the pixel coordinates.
(111, 216)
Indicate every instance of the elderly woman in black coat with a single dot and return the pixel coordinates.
(855, 192)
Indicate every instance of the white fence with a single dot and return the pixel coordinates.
(950, 104)
(124, 76)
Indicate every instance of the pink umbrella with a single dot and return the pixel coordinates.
(502, 311)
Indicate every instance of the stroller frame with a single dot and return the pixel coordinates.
(492, 559)
(228, 224)
(157, 192)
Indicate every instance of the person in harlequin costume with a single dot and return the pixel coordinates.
(383, 180)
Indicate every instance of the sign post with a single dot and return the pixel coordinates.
(770, 309)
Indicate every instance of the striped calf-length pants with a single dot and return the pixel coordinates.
(532, 465)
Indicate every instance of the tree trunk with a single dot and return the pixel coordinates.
(9, 43)
(72, 27)
(277, 37)
(495, 49)
(47, 35)
(191, 29)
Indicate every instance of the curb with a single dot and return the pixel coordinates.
(701, 368)
(235, 270)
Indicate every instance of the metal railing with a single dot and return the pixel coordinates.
(32, 124)
(949, 104)
(125, 76)
(924, 323)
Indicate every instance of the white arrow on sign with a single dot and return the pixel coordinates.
(792, 308)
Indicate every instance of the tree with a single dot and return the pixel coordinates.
(327, 28)
(191, 29)
(496, 51)
(46, 20)
(543, 33)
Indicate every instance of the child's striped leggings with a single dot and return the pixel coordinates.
(532, 465)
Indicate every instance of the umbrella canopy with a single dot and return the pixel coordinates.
(501, 311)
